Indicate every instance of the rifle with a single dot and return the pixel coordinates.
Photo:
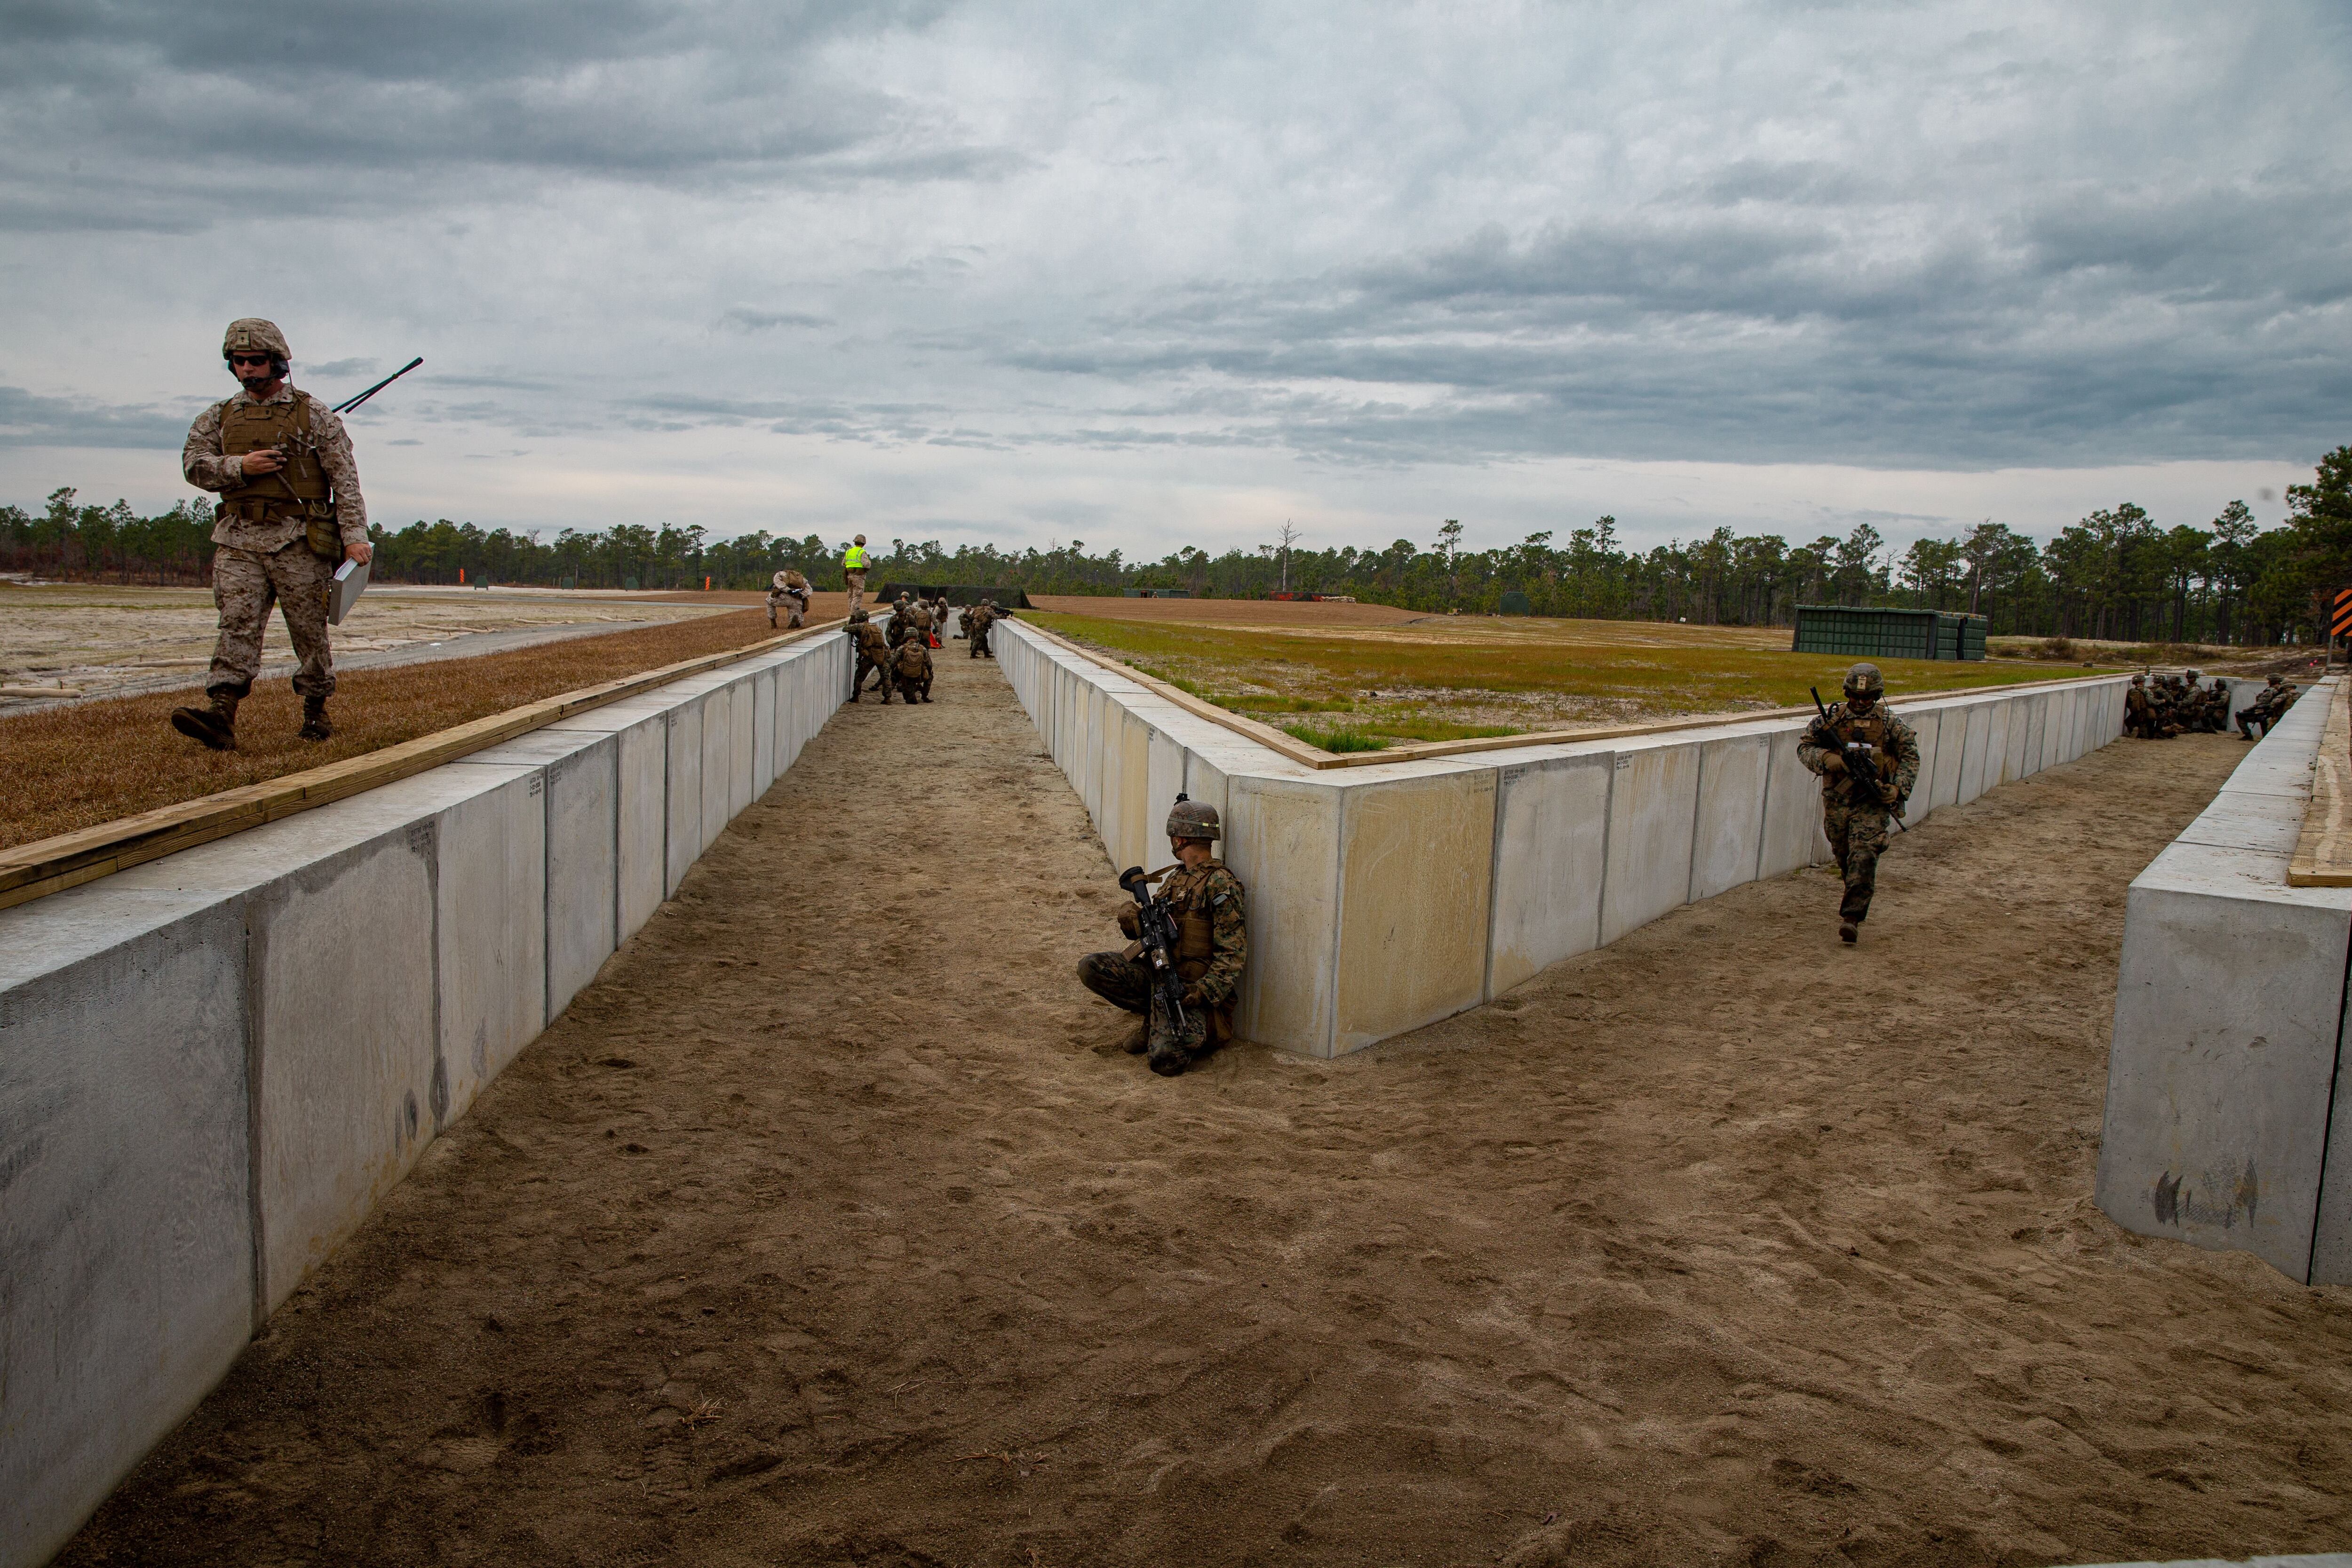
(1157, 925)
(1863, 770)
(347, 404)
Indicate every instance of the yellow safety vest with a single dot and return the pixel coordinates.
(855, 560)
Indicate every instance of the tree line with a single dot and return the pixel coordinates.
(2115, 573)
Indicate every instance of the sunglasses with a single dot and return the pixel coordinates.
(259, 360)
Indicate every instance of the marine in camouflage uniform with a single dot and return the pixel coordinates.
(289, 512)
(984, 616)
(2139, 710)
(911, 665)
(873, 655)
(790, 590)
(1855, 823)
(1213, 946)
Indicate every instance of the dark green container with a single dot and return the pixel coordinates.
(1844, 633)
(1516, 603)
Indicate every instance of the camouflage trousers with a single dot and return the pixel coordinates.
(790, 603)
(1857, 836)
(857, 582)
(245, 583)
(980, 648)
(1125, 982)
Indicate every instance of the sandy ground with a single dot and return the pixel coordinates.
(829, 1227)
(94, 640)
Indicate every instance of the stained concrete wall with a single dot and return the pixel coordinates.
(1384, 898)
(2230, 1029)
(213, 1066)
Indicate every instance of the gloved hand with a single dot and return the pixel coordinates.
(1191, 996)
(1130, 922)
(1832, 763)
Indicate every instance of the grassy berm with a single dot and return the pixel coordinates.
(1352, 688)
(74, 767)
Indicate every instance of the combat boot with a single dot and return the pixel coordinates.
(1848, 932)
(1167, 1061)
(1139, 1041)
(215, 726)
(314, 720)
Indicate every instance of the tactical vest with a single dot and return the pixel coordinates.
(913, 660)
(297, 489)
(1871, 732)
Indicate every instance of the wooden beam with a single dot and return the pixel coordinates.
(48, 865)
(2323, 853)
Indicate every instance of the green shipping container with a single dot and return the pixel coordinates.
(1845, 632)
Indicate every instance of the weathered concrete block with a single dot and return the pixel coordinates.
(1285, 850)
(583, 799)
(1928, 723)
(1163, 781)
(490, 898)
(1551, 840)
(718, 765)
(1976, 748)
(742, 737)
(1942, 788)
(1651, 810)
(1728, 830)
(682, 834)
(1792, 812)
(1134, 813)
(2216, 1121)
(764, 767)
(1415, 886)
(2016, 723)
(126, 1244)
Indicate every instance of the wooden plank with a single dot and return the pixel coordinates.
(2323, 853)
(48, 865)
(1322, 761)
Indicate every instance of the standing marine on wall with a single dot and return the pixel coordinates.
(852, 571)
(1213, 944)
(290, 513)
(1868, 759)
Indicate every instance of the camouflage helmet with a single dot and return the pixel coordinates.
(2193, 676)
(252, 335)
(779, 581)
(858, 617)
(861, 539)
(2140, 680)
(1190, 818)
(1863, 680)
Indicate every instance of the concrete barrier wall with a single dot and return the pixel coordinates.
(213, 1065)
(2229, 1034)
(1386, 897)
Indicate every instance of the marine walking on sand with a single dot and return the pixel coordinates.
(289, 512)
(1868, 759)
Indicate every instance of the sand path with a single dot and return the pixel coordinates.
(826, 1228)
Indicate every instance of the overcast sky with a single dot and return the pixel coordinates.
(1146, 277)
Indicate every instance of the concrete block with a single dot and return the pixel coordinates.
(491, 899)
(584, 895)
(1997, 735)
(1976, 746)
(533, 750)
(1728, 830)
(1163, 779)
(1285, 850)
(126, 1240)
(682, 834)
(741, 790)
(1942, 788)
(2016, 719)
(1551, 852)
(1652, 805)
(2050, 751)
(1134, 814)
(2216, 1121)
(1927, 724)
(641, 831)
(345, 1042)
(718, 760)
(1792, 812)
(764, 765)
(1416, 887)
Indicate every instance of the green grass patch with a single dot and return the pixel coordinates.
(1438, 730)
(1335, 740)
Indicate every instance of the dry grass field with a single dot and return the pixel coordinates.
(76, 766)
(1353, 685)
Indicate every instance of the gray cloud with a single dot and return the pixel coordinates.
(29, 419)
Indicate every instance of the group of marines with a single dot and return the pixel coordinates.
(2167, 705)
(902, 656)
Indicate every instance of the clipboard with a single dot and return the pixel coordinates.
(351, 582)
